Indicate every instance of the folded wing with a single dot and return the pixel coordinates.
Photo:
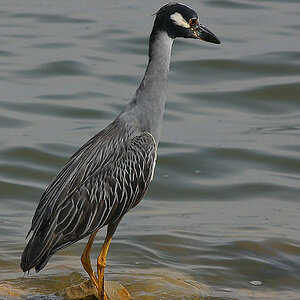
(96, 195)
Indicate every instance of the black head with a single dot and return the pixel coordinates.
(178, 20)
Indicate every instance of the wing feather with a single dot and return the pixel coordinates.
(101, 197)
(108, 145)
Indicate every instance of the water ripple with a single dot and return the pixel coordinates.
(268, 99)
(7, 53)
(33, 157)
(7, 122)
(52, 45)
(250, 67)
(76, 96)
(57, 68)
(49, 18)
(232, 4)
(58, 111)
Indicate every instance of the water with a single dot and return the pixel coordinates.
(223, 209)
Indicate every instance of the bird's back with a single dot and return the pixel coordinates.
(104, 179)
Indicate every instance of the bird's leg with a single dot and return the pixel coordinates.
(101, 261)
(85, 259)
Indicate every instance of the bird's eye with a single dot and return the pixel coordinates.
(193, 22)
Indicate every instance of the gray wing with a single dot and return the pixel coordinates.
(102, 198)
(108, 145)
(110, 192)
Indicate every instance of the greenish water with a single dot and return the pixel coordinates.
(223, 208)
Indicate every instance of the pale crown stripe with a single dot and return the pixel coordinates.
(179, 20)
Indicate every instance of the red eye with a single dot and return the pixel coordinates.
(193, 21)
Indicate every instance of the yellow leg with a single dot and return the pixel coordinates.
(85, 259)
(101, 263)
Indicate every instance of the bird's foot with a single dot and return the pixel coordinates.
(102, 295)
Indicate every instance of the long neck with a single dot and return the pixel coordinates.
(149, 100)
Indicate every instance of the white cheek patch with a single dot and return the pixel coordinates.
(179, 20)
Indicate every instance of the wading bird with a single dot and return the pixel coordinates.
(110, 174)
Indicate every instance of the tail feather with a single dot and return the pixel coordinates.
(38, 250)
(40, 247)
(33, 256)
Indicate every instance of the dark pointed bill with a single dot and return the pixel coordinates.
(206, 35)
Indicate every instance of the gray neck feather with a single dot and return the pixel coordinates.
(146, 109)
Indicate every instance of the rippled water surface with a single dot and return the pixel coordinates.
(223, 209)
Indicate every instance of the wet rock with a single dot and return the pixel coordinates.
(87, 291)
(9, 291)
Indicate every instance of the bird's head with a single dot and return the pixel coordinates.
(179, 20)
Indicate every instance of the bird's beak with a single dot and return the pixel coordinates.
(202, 33)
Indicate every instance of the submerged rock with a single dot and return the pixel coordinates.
(87, 291)
(9, 291)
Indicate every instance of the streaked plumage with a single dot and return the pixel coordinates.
(97, 186)
(110, 174)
